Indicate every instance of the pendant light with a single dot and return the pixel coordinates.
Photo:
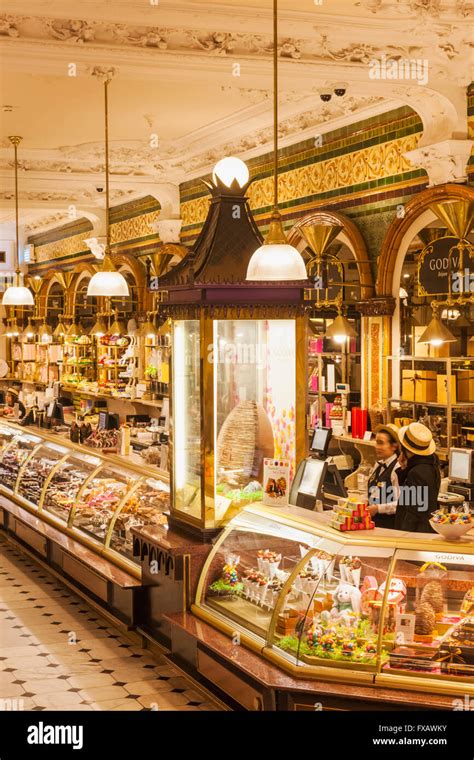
(29, 331)
(118, 327)
(340, 330)
(99, 329)
(148, 329)
(276, 260)
(60, 330)
(17, 294)
(45, 334)
(74, 330)
(107, 281)
(436, 333)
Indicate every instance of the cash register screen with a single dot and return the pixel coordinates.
(311, 477)
(460, 465)
(320, 441)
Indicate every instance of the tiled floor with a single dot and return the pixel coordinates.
(56, 653)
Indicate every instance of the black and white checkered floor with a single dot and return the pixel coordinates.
(56, 653)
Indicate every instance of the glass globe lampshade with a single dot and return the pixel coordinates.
(17, 295)
(276, 260)
(229, 169)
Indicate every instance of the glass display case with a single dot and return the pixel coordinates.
(384, 607)
(92, 497)
(98, 499)
(37, 469)
(145, 505)
(14, 456)
(234, 404)
(66, 482)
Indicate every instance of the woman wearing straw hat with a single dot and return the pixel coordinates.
(11, 398)
(419, 479)
(383, 485)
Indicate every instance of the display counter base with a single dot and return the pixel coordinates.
(114, 590)
(256, 684)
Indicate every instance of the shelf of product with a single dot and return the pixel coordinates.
(78, 363)
(35, 361)
(324, 604)
(437, 391)
(83, 494)
(112, 362)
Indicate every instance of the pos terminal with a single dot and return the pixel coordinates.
(317, 477)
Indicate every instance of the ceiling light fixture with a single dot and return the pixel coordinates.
(340, 330)
(231, 169)
(17, 294)
(276, 260)
(107, 281)
(436, 333)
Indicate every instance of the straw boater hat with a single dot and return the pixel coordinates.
(13, 391)
(389, 428)
(417, 439)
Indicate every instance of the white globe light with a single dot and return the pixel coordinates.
(17, 295)
(107, 284)
(340, 339)
(276, 262)
(230, 169)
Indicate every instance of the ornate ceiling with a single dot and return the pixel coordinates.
(192, 83)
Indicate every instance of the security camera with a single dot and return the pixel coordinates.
(100, 189)
(340, 89)
(325, 95)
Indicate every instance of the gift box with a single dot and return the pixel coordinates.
(419, 385)
(442, 386)
(466, 385)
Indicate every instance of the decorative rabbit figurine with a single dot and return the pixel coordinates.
(346, 598)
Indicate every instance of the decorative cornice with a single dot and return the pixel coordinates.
(445, 161)
(377, 307)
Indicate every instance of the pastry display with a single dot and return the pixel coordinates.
(63, 488)
(12, 460)
(351, 514)
(145, 507)
(97, 504)
(103, 439)
(33, 477)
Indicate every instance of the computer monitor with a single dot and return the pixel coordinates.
(333, 484)
(320, 441)
(307, 483)
(461, 465)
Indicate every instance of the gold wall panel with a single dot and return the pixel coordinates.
(372, 163)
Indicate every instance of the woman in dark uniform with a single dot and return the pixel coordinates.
(419, 477)
(11, 398)
(383, 487)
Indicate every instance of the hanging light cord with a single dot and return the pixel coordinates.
(15, 141)
(275, 102)
(107, 197)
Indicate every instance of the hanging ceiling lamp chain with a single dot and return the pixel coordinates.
(17, 294)
(107, 81)
(15, 141)
(107, 281)
(276, 260)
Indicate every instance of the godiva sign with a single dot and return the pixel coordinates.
(442, 261)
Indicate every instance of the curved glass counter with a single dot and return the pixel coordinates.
(66, 482)
(37, 469)
(97, 501)
(14, 457)
(375, 606)
(145, 505)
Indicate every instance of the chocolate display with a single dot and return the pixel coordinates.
(98, 503)
(12, 460)
(146, 506)
(63, 488)
(34, 475)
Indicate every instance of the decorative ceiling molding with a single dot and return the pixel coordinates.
(315, 44)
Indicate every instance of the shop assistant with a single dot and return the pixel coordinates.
(383, 485)
(419, 477)
(11, 398)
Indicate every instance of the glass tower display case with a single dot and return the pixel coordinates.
(235, 403)
(377, 606)
(96, 499)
